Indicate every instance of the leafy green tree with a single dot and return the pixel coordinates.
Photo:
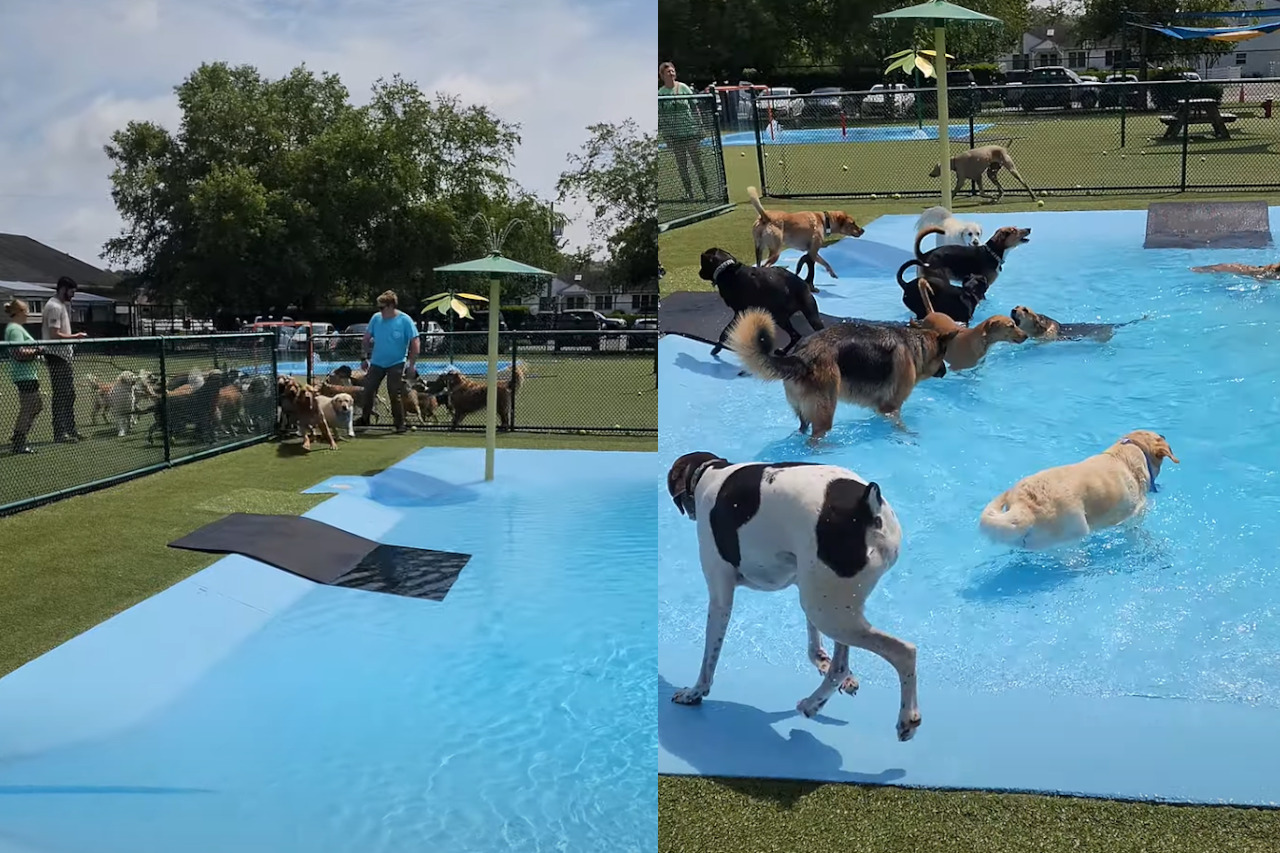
(1104, 19)
(281, 192)
(616, 172)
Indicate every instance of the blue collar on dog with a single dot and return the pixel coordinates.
(1151, 472)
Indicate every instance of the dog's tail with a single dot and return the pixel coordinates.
(754, 195)
(925, 290)
(1006, 521)
(754, 337)
(902, 282)
(932, 216)
(925, 232)
(516, 377)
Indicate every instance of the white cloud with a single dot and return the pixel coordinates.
(71, 73)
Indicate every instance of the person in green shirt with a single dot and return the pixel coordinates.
(681, 127)
(22, 369)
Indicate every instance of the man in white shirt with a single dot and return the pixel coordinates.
(56, 324)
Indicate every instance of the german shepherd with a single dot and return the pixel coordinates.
(871, 365)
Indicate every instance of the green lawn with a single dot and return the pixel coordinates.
(72, 564)
(700, 815)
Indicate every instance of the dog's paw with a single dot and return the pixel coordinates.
(821, 660)
(907, 725)
(849, 686)
(810, 706)
(689, 696)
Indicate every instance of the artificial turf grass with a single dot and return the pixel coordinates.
(69, 565)
(706, 815)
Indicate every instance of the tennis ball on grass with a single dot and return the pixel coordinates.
(742, 154)
(873, 195)
(897, 195)
(1039, 202)
(844, 168)
(1202, 159)
(1104, 154)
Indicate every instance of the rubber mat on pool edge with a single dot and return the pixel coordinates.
(702, 316)
(322, 553)
(1208, 225)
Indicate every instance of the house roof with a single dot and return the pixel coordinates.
(23, 259)
(28, 290)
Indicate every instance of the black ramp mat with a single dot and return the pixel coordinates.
(1208, 225)
(703, 316)
(322, 553)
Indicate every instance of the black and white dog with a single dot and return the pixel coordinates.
(767, 526)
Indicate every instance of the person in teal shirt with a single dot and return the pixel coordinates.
(681, 127)
(390, 349)
(22, 369)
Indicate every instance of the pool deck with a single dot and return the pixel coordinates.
(1122, 747)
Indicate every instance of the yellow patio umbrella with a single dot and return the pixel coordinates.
(940, 11)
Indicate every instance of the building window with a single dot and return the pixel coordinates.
(1077, 59)
(604, 301)
(34, 305)
(1242, 58)
(575, 303)
(1116, 57)
(642, 302)
(1046, 59)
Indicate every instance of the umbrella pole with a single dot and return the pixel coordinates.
(944, 116)
(491, 398)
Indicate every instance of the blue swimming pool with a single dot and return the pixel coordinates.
(1183, 609)
(815, 135)
(246, 709)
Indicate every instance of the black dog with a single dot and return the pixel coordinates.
(779, 291)
(958, 263)
(958, 303)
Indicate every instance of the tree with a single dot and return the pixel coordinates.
(616, 172)
(1105, 19)
(281, 192)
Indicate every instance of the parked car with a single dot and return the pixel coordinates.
(892, 100)
(1012, 81)
(577, 320)
(611, 323)
(430, 336)
(1057, 86)
(1110, 92)
(646, 324)
(783, 102)
(325, 337)
(829, 102)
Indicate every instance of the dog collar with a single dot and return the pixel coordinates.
(723, 266)
(999, 259)
(826, 223)
(1151, 472)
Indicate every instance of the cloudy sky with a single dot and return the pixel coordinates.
(73, 71)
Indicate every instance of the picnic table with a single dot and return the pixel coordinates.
(1197, 111)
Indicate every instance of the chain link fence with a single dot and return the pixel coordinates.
(1066, 139)
(691, 176)
(576, 381)
(95, 411)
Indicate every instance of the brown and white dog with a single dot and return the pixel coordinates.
(339, 413)
(466, 395)
(117, 400)
(969, 346)
(1042, 327)
(775, 230)
(1062, 505)
(822, 528)
(872, 365)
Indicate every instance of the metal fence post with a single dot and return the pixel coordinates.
(1185, 112)
(716, 131)
(755, 124)
(164, 401)
(515, 364)
(269, 339)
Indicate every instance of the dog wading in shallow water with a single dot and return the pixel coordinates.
(767, 526)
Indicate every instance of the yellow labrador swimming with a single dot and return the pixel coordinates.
(1062, 505)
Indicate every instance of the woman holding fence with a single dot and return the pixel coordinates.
(22, 367)
(680, 127)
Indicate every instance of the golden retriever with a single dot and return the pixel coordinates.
(775, 230)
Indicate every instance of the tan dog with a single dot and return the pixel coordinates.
(986, 160)
(872, 365)
(466, 395)
(1042, 327)
(775, 230)
(302, 403)
(330, 388)
(229, 413)
(1062, 505)
(418, 401)
(969, 346)
(1268, 271)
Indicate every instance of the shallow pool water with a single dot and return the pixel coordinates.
(812, 135)
(1184, 605)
